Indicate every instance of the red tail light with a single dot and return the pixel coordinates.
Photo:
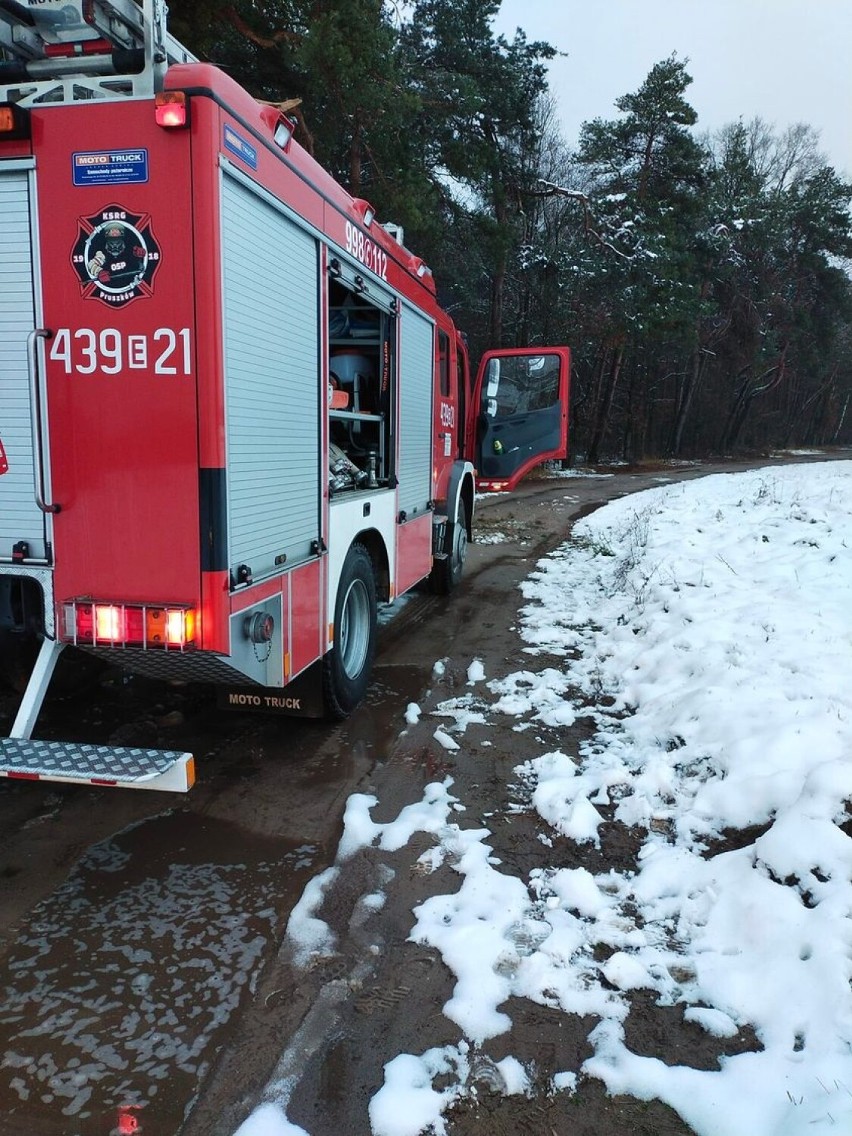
(170, 627)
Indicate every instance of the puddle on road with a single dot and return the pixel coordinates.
(117, 996)
(126, 982)
(369, 734)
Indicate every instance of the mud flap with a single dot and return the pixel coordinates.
(301, 698)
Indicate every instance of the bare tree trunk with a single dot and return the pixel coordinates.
(685, 393)
(637, 417)
(605, 405)
(495, 320)
(840, 422)
(746, 395)
(498, 279)
(584, 400)
(820, 402)
(355, 159)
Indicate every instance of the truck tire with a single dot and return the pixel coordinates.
(346, 668)
(447, 573)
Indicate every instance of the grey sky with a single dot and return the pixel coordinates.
(787, 61)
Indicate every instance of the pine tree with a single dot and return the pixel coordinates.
(480, 93)
(648, 172)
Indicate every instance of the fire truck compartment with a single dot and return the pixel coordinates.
(270, 277)
(23, 526)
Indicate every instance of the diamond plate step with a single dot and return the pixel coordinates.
(120, 766)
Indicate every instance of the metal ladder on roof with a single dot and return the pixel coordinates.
(74, 50)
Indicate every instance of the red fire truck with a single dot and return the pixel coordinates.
(233, 417)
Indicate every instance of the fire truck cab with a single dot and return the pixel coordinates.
(232, 413)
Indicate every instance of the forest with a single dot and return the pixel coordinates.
(703, 280)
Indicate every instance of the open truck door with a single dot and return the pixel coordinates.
(519, 413)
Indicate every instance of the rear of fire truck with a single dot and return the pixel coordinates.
(99, 469)
(193, 332)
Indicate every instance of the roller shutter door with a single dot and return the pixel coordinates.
(20, 517)
(415, 427)
(272, 382)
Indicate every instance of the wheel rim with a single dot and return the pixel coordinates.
(459, 547)
(355, 629)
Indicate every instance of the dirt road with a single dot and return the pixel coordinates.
(148, 985)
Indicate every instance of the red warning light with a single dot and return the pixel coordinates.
(128, 1122)
(171, 109)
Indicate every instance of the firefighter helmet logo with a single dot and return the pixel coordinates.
(115, 256)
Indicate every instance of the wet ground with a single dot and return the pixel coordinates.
(147, 983)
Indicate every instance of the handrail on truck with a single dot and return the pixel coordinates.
(36, 418)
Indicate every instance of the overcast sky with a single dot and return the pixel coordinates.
(786, 60)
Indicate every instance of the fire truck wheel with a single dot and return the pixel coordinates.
(447, 573)
(346, 668)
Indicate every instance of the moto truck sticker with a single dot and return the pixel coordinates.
(239, 146)
(109, 167)
(115, 256)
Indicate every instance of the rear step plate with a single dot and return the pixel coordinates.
(115, 766)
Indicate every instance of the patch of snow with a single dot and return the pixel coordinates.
(706, 629)
(444, 739)
(269, 1120)
(412, 713)
(407, 1103)
(310, 936)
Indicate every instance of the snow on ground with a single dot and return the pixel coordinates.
(710, 624)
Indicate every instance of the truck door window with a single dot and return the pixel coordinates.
(520, 385)
(444, 363)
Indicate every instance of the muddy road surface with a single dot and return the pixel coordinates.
(148, 985)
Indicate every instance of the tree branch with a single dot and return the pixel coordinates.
(235, 19)
(551, 190)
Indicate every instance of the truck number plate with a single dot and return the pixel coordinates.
(367, 251)
(107, 352)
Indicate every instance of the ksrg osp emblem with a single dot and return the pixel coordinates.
(115, 256)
